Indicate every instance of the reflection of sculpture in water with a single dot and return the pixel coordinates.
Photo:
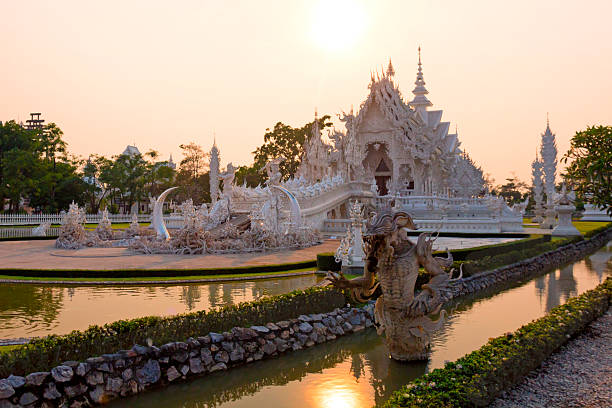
(395, 260)
(567, 283)
(190, 294)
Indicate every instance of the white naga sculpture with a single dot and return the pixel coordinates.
(565, 207)
(548, 151)
(538, 189)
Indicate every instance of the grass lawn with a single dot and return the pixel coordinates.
(586, 226)
(168, 279)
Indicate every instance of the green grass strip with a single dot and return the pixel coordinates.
(158, 278)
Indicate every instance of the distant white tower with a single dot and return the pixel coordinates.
(214, 172)
(548, 151)
(538, 189)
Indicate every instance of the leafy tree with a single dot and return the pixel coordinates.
(287, 142)
(193, 176)
(249, 175)
(590, 168)
(34, 167)
(513, 191)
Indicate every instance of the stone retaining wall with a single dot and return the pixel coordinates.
(128, 372)
(530, 267)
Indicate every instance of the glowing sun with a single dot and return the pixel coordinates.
(338, 24)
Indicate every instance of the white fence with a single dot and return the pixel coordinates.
(25, 232)
(37, 219)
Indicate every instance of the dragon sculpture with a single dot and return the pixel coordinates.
(395, 260)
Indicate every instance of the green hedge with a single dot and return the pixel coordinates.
(598, 230)
(479, 377)
(470, 267)
(129, 273)
(495, 249)
(44, 353)
(327, 262)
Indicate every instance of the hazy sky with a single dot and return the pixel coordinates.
(162, 73)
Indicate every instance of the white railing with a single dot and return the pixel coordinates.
(37, 219)
(25, 232)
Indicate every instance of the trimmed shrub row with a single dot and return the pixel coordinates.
(598, 230)
(129, 273)
(495, 249)
(43, 353)
(476, 379)
(473, 266)
(327, 262)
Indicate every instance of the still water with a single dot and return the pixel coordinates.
(38, 310)
(355, 371)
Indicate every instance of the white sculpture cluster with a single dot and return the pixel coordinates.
(350, 252)
(72, 233)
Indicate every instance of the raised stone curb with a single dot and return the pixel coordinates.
(127, 372)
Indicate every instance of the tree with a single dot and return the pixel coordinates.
(513, 191)
(34, 167)
(287, 142)
(590, 168)
(193, 176)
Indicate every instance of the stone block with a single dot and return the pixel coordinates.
(150, 373)
(27, 399)
(6, 389)
(16, 381)
(195, 365)
(51, 392)
(172, 374)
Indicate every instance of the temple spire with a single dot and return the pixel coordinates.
(390, 70)
(420, 101)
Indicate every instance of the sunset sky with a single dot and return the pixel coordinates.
(161, 73)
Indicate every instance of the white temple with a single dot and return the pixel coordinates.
(392, 153)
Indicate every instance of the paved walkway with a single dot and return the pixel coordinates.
(578, 375)
(43, 255)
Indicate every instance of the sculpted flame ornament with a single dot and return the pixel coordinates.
(395, 260)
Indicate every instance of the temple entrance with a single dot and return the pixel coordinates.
(381, 183)
(379, 162)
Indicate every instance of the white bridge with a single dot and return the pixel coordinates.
(325, 206)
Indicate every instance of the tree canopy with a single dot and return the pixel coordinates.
(35, 169)
(283, 140)
(590, 168)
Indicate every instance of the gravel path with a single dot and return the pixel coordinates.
(578, 375)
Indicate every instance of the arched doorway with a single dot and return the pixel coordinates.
(377, 158)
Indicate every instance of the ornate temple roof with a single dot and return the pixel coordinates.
(131, 151)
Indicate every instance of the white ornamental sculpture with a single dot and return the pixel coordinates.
(538, 189)
(72, 233)
(548, 151)
(350, 252)
(214, 173)
(565, 207)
